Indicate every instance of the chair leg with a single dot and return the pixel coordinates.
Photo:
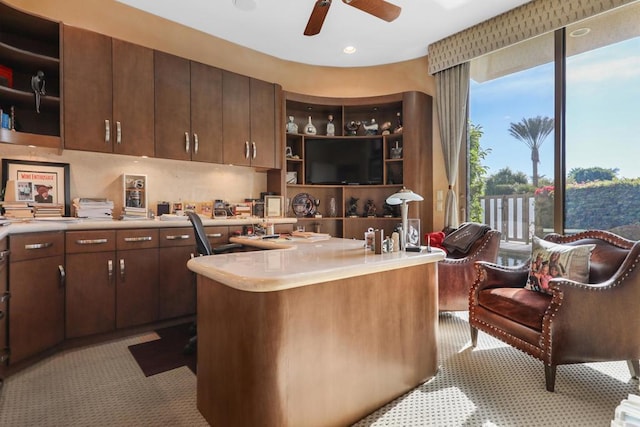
(550, 376)
(634, 368)
(474, 336)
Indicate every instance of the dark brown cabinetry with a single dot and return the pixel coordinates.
(188, 102)
(90, 290)
(4, 305)
(36, 277)
(249, 113)
(136, 277)
(29, 44)
(108, 94)
(403, 158)
(176, 283)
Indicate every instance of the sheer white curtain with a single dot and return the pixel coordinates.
(452, 97)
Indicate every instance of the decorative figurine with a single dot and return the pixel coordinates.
(352, 128)
(390, 211)
(352, 208)
(310, 129)
(370, 128)
(385, 128)
(398, 128)
(37, 85)
(331, 128)
(291, 126)
(370, 209)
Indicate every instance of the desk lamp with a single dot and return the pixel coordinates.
(403, 197)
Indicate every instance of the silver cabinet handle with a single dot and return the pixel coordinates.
(118, 133)
(246, 149)
(107, 132)
(186, 142)
(4, 255)
(110, 269)
(179, 237)
(91, 241)
(195, 143)
(5, 297)
(4, 355)
(122, 269)
(38, 246)
(138, 239)
(255, 149)
(214, 235)
(63, 275)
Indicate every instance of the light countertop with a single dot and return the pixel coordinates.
(72, 224)
(300, 262)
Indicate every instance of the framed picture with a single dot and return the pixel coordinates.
(38, 182)
(272, 206)
(413, 232)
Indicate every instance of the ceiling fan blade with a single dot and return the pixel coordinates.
(379, 8)
(316, 19)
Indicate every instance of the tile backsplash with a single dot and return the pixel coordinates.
(100, 175)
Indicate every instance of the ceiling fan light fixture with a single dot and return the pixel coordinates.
(349, 50)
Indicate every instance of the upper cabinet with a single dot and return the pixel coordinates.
(108, 94)
(188, 103)
(29, 79)
(249, 115)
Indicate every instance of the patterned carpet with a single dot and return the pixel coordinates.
(492, 385)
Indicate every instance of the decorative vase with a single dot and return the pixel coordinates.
(310, 129)
(396, 152)
(333, 208)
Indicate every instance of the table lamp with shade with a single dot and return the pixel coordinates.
(403, 197)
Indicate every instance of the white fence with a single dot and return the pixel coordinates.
(512, 215)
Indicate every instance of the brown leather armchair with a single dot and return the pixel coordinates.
(456, 272)
(577, 322)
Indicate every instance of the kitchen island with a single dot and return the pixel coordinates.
(316, 333)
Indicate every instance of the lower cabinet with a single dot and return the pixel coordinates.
(136, 277)
(176, 283)
(36, 285)
(4, 305)
(91, 291)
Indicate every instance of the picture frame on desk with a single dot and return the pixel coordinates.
(48, 181)
(273, 206)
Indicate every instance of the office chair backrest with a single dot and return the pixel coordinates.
(202, 243)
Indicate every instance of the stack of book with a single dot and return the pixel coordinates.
(628, 412)
(17, 210)
(48, 210)
(93, 208)
(129, 213)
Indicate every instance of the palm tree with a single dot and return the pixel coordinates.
(533, 132)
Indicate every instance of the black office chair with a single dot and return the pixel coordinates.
(204, 248)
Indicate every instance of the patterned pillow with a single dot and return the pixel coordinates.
(551, 260)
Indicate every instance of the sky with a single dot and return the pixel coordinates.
(603, 112)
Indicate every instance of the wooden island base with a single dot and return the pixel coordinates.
(324, 355)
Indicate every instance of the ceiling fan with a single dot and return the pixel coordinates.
(379, 8)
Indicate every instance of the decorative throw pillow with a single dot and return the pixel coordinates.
(551, 260)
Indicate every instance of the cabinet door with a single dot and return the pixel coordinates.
(87, 90)
(236, 116)
(172, 107)
(206, 113)
(37, 306)
(137, 287)
(133, 99)
(177, 285)
(263, 149)
(90, 293)
(4, 305)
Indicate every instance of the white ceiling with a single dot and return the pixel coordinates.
(275, 27)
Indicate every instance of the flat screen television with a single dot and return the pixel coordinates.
(343, 161)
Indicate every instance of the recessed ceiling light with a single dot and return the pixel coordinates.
(349, 50)
(579, 32)
(245, 4)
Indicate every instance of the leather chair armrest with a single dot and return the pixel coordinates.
(492, 275)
